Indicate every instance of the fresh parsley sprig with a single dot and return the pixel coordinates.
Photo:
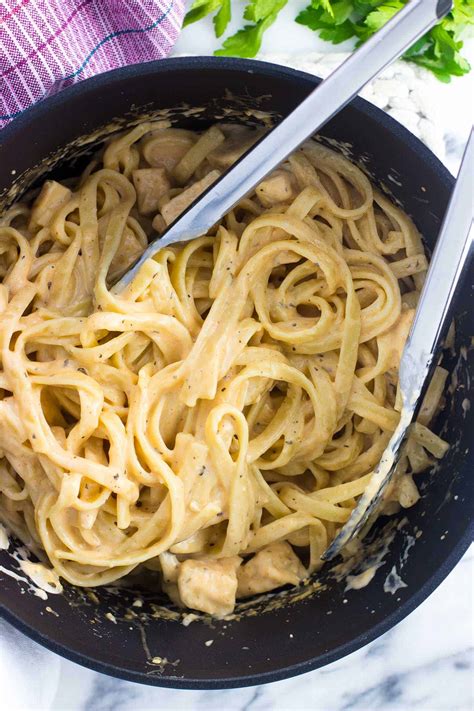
(247, 41)
(338, 20)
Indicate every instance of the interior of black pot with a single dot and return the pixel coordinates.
(131, 630)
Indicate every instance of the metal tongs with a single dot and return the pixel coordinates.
(408, 25)
(450, 255)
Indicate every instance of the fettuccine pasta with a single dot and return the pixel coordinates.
(218, 420)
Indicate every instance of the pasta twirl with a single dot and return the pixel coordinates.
(217, 420)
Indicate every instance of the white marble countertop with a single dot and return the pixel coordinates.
(425, 662)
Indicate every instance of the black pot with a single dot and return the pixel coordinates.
(291, 633)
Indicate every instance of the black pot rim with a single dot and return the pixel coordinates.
(261, 678)
(41, 111)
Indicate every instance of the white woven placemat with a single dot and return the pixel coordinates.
(441, 115)
(409, 94)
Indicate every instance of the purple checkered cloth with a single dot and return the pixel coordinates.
(46, 45)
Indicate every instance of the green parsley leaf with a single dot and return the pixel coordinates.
(199, 9)
(316, 19)
(341, 11)
(257, 10)
(440, 55)
(311, 17)
(442, 68)
(337, 13)
(324, 5)
(222, 18)
(337, 34)
(247, 41)
(419, 46)
(382, 14)
(363, 7)
(460, 20)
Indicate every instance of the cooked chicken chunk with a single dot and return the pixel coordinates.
(277, 188)
(209, 585)
(164, 149)
(169, 567)
(178, 204)
(238, 140)
(131, 247)
(150, 184)
(51, 198)
(272, 567)
(406, 491)
(129, 251)
(158, 224)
